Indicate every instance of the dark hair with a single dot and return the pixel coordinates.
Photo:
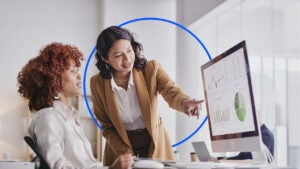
(41, 78)
(105, 41)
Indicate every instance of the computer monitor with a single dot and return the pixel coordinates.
(229, 99)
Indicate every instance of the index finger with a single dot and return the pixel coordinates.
(197, 101)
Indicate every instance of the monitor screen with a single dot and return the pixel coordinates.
(229, 101)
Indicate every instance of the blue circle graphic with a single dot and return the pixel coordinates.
(126, 23)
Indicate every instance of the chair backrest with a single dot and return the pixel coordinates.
(30, 142)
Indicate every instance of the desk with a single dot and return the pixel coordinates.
(16, 165)
(227, 168)
(218, 165)
(30, 165)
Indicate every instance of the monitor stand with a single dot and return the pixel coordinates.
(263, 157)
(259, 157)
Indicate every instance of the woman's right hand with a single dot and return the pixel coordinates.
(191, 107)
(123, 162)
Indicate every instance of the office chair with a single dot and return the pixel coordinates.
(43, 163)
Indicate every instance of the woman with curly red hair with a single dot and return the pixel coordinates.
(49, 81)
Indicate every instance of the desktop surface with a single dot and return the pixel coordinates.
(177, 165)
(193, 165)
(147, 164)
(223, 164)
(16, 165)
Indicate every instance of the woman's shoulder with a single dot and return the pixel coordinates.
(96, 78)
(46, 114)
(97, 82)
(152, 64)
(44, 118)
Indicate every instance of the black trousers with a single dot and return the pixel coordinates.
(140, 141)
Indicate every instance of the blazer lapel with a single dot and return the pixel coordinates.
(113, 112)
(143, 98)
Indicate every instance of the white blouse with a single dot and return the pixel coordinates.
(128, 105)
(61, 139)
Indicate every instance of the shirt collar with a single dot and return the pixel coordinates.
(116, 87)
(66, 111)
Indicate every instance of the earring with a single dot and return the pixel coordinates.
(56, 96)
(107, 66)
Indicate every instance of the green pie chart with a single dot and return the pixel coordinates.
(239, 105)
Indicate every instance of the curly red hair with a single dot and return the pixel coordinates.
(40, 79)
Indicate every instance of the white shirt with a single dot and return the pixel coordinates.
(128, 105)
(61, 139)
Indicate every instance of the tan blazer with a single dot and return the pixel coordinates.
(149, 82)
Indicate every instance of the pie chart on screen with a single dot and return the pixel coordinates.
(239, 105)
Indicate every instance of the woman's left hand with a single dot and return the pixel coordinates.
(191, 107)
(123, 162)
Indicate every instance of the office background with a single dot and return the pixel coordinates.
(270, 27)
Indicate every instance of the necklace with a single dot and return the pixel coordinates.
(121, 80)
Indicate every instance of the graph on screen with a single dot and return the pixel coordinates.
(228, 95)
(229, 99)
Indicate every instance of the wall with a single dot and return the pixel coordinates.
(26, 26)
(190, 56)
(191, 10)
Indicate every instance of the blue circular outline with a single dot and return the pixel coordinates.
(126, 23)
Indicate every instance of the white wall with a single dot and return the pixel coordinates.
(191, 10)
(190, 56)
(27, 26)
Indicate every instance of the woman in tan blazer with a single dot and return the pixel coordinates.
(124, 96)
